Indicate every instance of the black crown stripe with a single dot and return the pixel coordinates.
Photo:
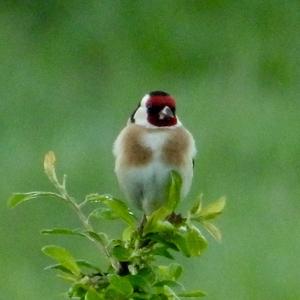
(158, 93)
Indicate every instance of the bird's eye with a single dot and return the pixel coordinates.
(152, 110)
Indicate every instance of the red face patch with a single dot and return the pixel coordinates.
(155, 104)
(157, 101)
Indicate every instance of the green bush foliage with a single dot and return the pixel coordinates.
(133, 271)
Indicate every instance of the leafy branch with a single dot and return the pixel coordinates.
(132, 271)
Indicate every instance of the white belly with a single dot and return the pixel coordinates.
(146, 185)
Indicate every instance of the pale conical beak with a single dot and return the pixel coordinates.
(166, 113)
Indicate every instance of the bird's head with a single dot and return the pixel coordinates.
(156, 109)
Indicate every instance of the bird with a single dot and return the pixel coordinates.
(151, 145)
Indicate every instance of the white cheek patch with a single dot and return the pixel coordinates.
(144, 100)
(140, 117)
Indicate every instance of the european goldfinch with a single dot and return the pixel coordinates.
(152, 144)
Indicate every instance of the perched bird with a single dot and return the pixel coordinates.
(152, 144)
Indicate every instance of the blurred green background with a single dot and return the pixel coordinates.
(72, 72)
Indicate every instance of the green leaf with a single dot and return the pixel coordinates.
(214, 209)
(58, 267)
(95, 198)
(62, 256)
(77, 291)
(18, 198)
(163, 227)
(127, 233)
(213, 230)
(190, 241)
(121, 284)
(93, 295)
(64, 231)
(195, 241)
(197, 207)
(170, 293)
(174, 191)
(99, 237)
(173, 198)
(192, 294)
(175, 270)
(156, 219)
(104, 213)
(140, 283)
(121, 253)
(148, 273)
(87, 264)
(170, 283)
(80, 262)
(118, 207)
(140, 296)
(162, 251)
(68, 277)
(163, 239)
(169, 273)
(160, 294)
